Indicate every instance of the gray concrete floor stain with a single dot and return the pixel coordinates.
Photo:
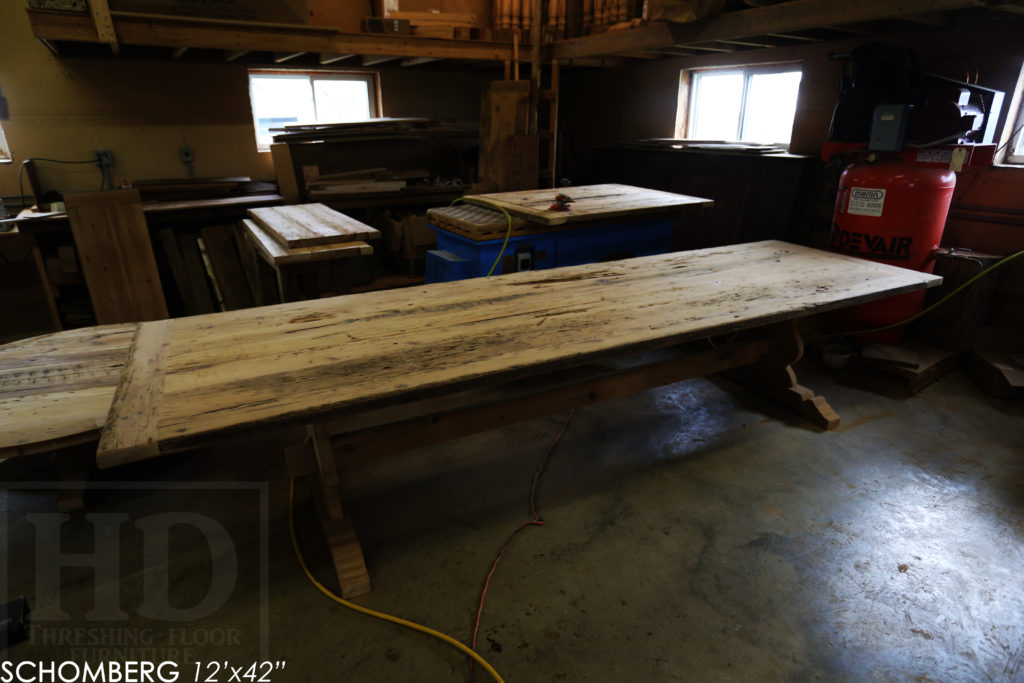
(694, 533)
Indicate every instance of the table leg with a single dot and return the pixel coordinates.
(346, 553)
(773, 376)
(75, 467)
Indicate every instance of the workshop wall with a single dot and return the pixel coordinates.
(145, 111)
(641, 101)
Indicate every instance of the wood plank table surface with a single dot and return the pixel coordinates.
(55, 390)
(310, 225)
(590, 202)
(191, 379)
(276, 255)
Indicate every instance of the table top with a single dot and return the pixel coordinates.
(276, 255)
(192, 379)
(590, 203)
(195, 378)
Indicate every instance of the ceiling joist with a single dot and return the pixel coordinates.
(238, 36)
(795, 15)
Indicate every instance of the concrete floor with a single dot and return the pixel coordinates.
(693, 533)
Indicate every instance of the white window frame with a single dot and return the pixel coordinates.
(691, 84)
(371, 78)
(1014, 144)
(5, 151)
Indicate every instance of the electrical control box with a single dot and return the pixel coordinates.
(889, 127)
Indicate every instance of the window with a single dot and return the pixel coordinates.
(280, 98)
(752, 104)
(5, 151)
(1014, 135)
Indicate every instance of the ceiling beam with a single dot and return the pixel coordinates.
(416, 61)
(707, 48)
(795, 15)
(793, 36)
(747, 43)
(282, 57)
(235, 54)
(332, 57)
(370, 60)
(198, 33)
(104, 24)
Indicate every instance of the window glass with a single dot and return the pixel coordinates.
(5, 152)
(282, 98)
(754, 104)
(341, 100)
(770, 107)
(717, 103)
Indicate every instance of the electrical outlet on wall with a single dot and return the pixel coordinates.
(104, 160)
(103, 157)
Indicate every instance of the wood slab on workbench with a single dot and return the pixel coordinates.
(55, 390)
(276, 255)
(304, 361)
(590, 202)
(310, 225)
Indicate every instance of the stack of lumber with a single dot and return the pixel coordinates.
(369, 130)
(367, 180)
(310, 225)
(189, 188)
(722, 146)
(450, 25)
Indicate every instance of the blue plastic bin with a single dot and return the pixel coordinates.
(458, 257)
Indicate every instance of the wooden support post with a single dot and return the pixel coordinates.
(773, 376)
(75, 465)
(535, 52)
(104, 24)
(515, 55)
(346, 553)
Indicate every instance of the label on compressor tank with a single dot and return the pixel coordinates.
(866, 201)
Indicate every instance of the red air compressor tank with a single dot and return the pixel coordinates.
(892, 212)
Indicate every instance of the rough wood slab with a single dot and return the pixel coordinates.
(117, 259)
(56, 390)
(309, 225)
(130, 431)
(277, 255)
(592, 202)
(308, 360)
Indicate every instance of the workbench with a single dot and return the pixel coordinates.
(168, 222)
(602, 223)
(371, 374)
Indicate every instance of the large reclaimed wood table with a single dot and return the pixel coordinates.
(375, 373)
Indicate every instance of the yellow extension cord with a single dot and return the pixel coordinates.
(508, 232)
(379, 615)
(925, 311)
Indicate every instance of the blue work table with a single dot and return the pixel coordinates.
(603, 223)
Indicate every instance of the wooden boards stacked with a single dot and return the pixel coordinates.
(213, 375)
(310, 225)
(371, 129)
(274, 254)
(590, 202)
